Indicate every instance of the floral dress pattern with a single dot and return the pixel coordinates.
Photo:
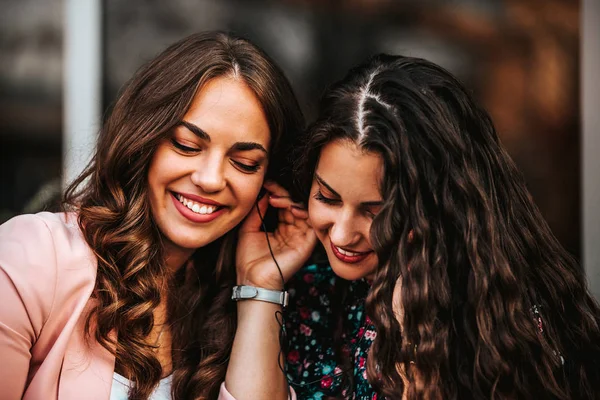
(311, 363)
(312, 369)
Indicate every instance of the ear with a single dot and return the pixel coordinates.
(411, 236)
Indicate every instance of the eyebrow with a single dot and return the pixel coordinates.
(245, 146)
(195, 130)
(322, 182)
(336, 194)
(238, 146)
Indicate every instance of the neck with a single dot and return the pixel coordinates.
(176, 257)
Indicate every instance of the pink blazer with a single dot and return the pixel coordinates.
(47, 274)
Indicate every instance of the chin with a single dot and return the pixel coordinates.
(350, 272)
(192, 244)
(194, 240)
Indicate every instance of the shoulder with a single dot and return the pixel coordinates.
(37, 253)
(314, 274)
(312, 280)
(45, 238)
(27, 242)
(41, 224)
(311, 291)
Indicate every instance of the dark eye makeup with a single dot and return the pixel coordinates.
(327, 200)
(246, 167)
(319, 196)
(182, 147)
(243, 167)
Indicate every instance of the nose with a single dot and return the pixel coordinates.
(344, 231)
(209, 174)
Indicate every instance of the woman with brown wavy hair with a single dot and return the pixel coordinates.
(127, 293)
(443, 281)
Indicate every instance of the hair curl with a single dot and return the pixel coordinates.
(480, 257)
(116, 220)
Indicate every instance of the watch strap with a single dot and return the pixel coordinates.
(254, 293)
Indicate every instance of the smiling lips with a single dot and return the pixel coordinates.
(349, 257)
(197, 209)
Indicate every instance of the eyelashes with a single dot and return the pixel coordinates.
(331, 202)
(245, 168)
(183, 148)
(319, 197)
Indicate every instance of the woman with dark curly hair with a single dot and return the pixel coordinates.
(127, 293)
(443, 280)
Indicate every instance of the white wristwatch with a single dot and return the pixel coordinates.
(254, 293)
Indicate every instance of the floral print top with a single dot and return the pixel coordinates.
(312, 366)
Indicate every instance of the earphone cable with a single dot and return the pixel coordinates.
(279, 315)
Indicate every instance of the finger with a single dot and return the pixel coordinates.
(286, 216)
(299, 212)
(303, 223)
(283, 202)
(306, 248)
(293, 215)
(253, 221)
(293, 219)
(276, 189)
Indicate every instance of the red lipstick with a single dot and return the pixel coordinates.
(347, 258)
(196, 217)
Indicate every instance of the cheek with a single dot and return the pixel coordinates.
(366, 231)
(246, 189)
(319, 215)
(156, 173)
(164, 165)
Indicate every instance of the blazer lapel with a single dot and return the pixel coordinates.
(88, 368)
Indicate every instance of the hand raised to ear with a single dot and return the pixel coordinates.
(292, 242)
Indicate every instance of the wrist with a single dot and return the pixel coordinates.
(260, 280)
(241, 293)
(262, 284)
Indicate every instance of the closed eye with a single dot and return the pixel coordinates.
(246, 168)
(327, 200)
(183, 148)
(370, 213)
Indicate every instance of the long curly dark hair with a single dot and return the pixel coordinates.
(481, 265)
(111, 198)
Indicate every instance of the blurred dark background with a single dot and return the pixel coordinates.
(520, 57)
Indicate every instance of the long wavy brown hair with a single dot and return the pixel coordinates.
(114, 215)
(494, 307)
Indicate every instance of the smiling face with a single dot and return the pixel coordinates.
(344, 198)
(205, 176)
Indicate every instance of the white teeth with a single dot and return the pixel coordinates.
(198, 208)
(347, 253)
